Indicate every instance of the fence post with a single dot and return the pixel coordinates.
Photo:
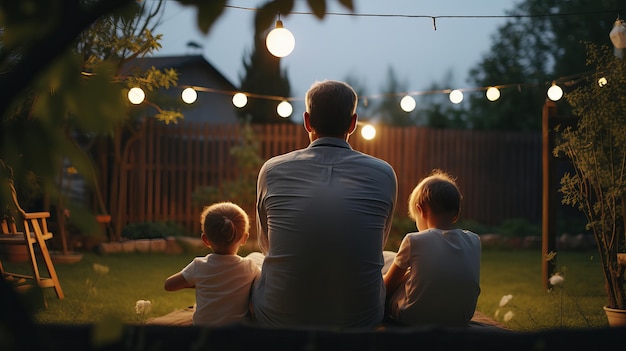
(548, 228)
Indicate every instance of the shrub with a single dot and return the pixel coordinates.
(152, 230)
(518, 228)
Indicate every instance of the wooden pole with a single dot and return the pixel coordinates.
(548, 228)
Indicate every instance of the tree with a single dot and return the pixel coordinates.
(365, 106)
(435, 110)
(388, 109)
(36, 61)
(263, 76)
(544, 43)
(597, 149)
(78, 100)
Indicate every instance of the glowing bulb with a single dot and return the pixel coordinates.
(240, 100)
(456, 96)
(618, 34)
(555, 93)
(280, 42)
(189, 95)
(602, 82)
(368, 132)
(407, 103)
(136, 96)
(493, 94)
(284, 109)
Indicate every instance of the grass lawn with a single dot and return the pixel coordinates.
(92, 297)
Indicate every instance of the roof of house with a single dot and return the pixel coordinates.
(177, 62)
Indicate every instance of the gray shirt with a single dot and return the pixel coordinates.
(444, 278)
(323, 216)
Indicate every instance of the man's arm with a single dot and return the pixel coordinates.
(261, 214)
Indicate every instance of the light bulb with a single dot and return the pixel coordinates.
(189, 95)
(280, 42)
(493, 94)
(456, 96)
(407, 104)
(136, 95)
(240, 100)
(602, 81)
(618, 34)
(284, 109)
(368, 132)
(555, 93)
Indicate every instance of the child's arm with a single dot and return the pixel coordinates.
(177, 282)
(393, 278)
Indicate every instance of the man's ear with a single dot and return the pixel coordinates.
(353, 123)
(307, 122)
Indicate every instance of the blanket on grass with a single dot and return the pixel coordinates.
(183, 317)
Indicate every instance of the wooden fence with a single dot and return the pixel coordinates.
(498, 172)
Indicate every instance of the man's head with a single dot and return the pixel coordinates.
(330, 109)
(438, 194)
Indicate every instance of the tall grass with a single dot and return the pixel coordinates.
(90, 297)
(577, 304)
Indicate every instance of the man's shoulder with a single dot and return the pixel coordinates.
(371, 162)
(282, 158)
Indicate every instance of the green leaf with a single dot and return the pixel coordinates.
(318, 8)
(348, 4)
(208, 12)
(268, 13)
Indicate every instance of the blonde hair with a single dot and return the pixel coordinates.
(224, 223)
(438, 192)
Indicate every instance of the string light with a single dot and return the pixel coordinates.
(456, 96)
(602, 82)
(136, 95)
(284, 109)
(407, 104)
(189, 95)
(492, 93)
(618, 34)
(240, 100)
(280, 42)
(555, 93)
(368, 132)
(434, 18)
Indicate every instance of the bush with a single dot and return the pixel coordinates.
(152, 230)
(473, 226)
(518, 228)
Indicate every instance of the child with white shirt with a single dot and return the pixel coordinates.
(222, 279)
(435, 276)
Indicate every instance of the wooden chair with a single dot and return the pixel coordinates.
(33, 237)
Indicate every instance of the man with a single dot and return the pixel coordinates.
(323, 217)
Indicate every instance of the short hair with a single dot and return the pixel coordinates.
(330, 105)
(438, 192)
(224, 223)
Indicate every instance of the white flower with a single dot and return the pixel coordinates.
(508, 316)
(505, 299)
(143, 306)
(100, 269)
(556, 279)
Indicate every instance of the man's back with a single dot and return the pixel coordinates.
(326, 211)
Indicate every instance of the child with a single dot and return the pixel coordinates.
(435, 276)
(222, 279)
